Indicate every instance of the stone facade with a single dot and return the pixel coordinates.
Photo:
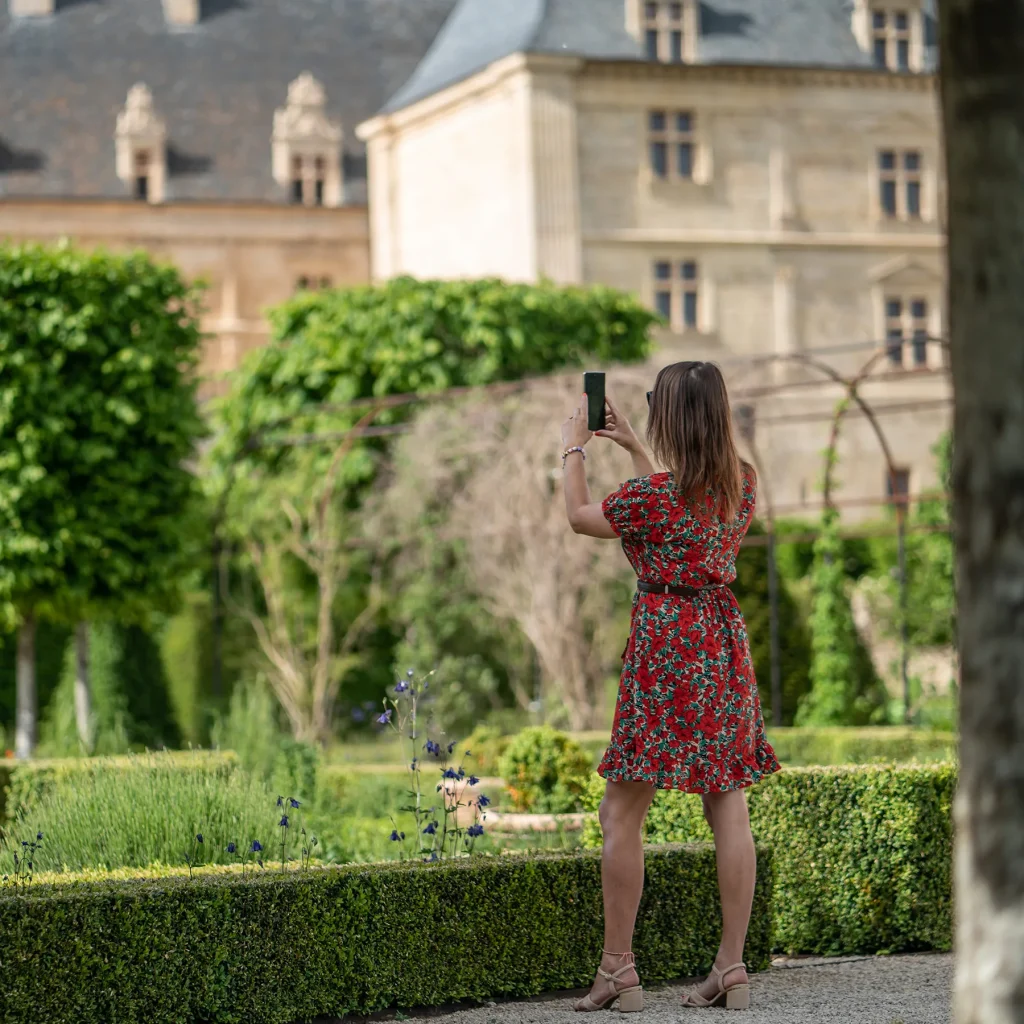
(787, 237)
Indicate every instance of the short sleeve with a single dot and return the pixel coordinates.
(633, 509)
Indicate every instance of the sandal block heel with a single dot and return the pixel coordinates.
(737, 997)
(631, 1001)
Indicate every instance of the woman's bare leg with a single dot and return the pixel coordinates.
(737, 869)
(622, 814)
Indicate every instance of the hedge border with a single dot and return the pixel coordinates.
(265, 950)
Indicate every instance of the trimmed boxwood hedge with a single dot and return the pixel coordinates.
(279, 948)
(802, 746)
(862, 855)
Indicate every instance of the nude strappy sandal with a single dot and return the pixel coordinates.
(735, 997)
(631, 999)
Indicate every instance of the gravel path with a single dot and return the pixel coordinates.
(913, 989)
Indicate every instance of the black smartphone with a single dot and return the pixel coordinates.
(593, 388)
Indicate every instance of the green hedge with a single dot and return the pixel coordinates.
(281, 948)
(847, 745)
(23, 783)
(862, 855)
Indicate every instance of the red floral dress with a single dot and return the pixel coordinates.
(688, 714)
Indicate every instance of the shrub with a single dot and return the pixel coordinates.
(546, 771)
(846, 745)
(104, 816)
(862, 855)
(280, 948)
(487, 744)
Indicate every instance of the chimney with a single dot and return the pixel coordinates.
(31, 8)
(182, 12)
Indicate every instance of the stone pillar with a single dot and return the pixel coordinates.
(785, 331)
(781, 198)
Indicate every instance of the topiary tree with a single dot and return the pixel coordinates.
(546, 771)
(98, 414)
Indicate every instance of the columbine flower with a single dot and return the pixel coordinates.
(284, 821)
(433, 748)
(199, 838)
(473, 780)
(451, 746)
(475, 830)
(280, 801)
(396, 836)
(292, 802)
(451, 773)
(401, 686)
(232, 847)
(410, 673)
(257, 846)
(415, 761)
(431, 829)
(385, 719)
(39, 836)
(432, 858)
(483, 801)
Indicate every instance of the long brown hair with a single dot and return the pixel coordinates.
(690, 432)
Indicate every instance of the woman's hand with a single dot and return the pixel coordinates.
(574, 430)
(617, 428)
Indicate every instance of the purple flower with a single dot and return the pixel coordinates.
(431, 858)
(433, 748)
(280, 801)
(451, 746)
(284, 821)
(431, 829)
(232, 847)
(256, 847)
(475, 830)
(415, 761)
(401, 686)
(293, 802)
(385, 718)
(451, 773)
(410, 673)
(473, 780)
(482, 800)
(396, 836)
(39, 835)
(199, 838)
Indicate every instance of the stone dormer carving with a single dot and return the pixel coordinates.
(307, 146)
(31, 8)
(141, 139)
(182, 12)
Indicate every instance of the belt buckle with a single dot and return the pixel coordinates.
(668, 589)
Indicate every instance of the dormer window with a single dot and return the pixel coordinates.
(141, 147)
(307, 146)
(667, 29)
(890, 39)
(892, 32)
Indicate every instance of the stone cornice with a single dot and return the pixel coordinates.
(917, 241)
(761, 74)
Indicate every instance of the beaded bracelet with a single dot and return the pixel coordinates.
(569, 451)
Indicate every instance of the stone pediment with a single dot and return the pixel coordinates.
(905, 271)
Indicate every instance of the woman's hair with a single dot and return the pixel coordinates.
(690, 432)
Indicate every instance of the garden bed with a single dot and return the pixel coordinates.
(278, 947)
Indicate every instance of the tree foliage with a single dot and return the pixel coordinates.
(292, 483)
(98, 417)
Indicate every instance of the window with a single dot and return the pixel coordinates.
(307, 181)
(906, 331)
(307, 283)
(897, 487)
(664, 30)
(307, 147)
(890, 39)
(673, 147)
(142, 176)
(677, 293)
(899, 184)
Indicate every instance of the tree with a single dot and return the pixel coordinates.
(982, 81)
(99, 417)
(494, 467)
(292, 477)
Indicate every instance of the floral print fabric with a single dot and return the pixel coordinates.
(688, 715)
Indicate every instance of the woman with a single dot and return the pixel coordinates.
(688, 715)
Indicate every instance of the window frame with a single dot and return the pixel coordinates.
(885, 30)
(907, 328)
(906, 182)
(677, 281)
(666, 30)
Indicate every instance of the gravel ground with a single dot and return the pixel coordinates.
(914, 989)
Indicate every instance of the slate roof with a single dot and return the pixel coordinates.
(809, 33)
(64, 79)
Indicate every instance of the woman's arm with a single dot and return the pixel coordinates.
(585, 517)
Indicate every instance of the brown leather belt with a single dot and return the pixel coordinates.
(666, 588)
